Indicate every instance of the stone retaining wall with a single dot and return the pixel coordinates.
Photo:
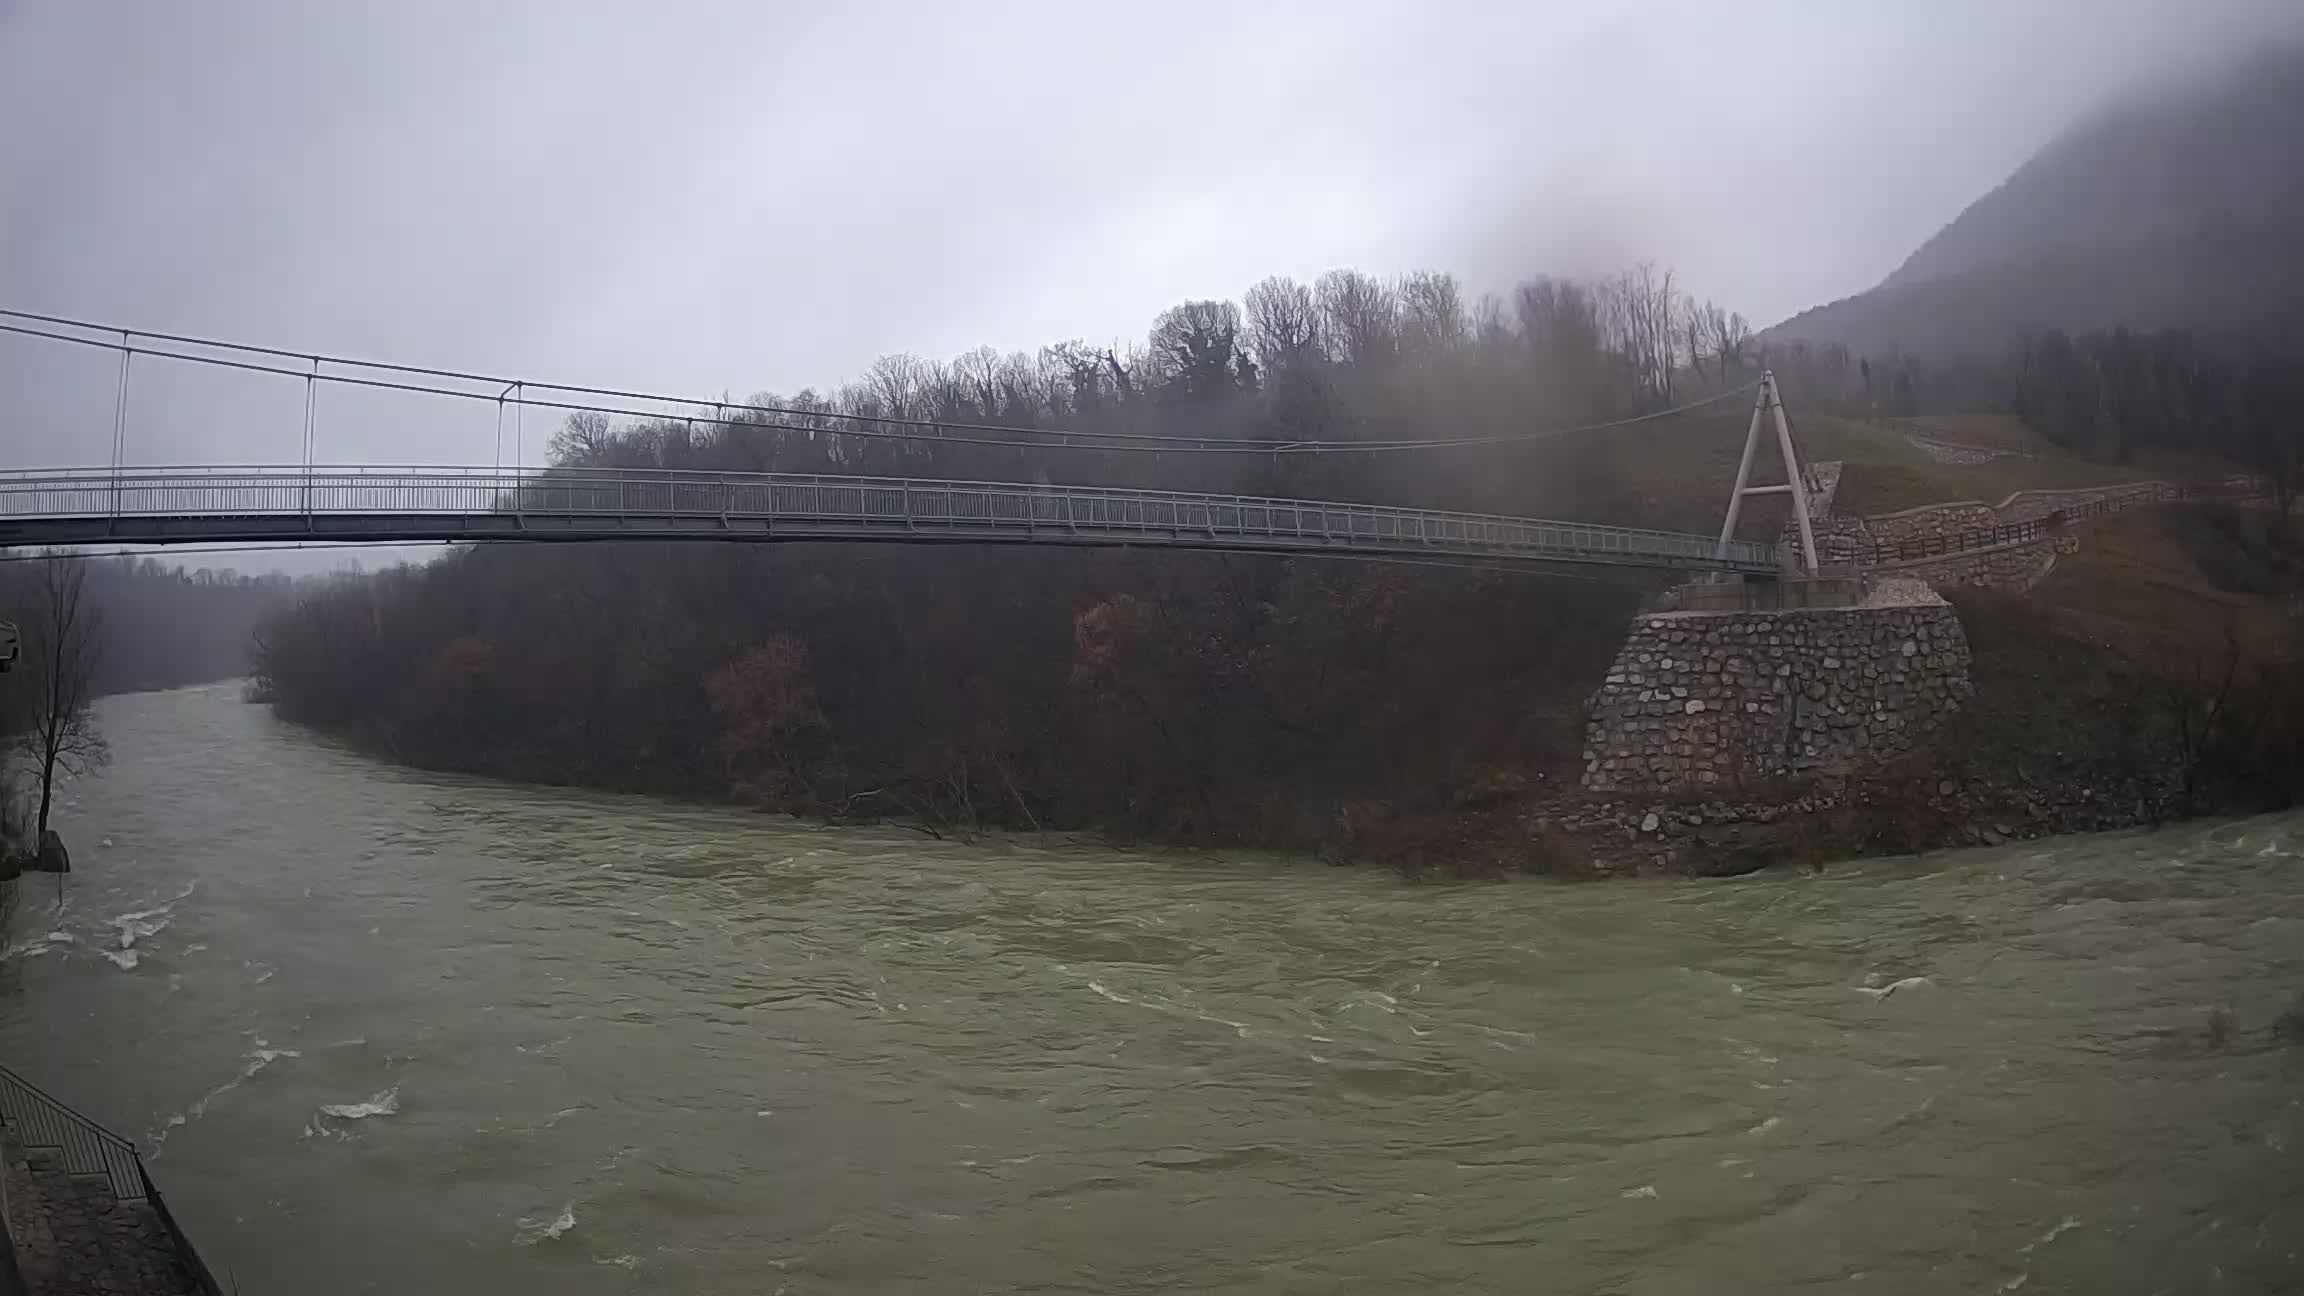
(1947, 520)
(2016, 567)
(1711, 701)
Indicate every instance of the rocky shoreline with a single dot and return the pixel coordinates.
(1832, 819)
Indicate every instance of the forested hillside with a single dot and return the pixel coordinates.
(159, 624)
(1190, 696)
(167, 625)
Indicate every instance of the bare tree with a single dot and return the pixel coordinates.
(1283, 325)
(977, 374)
(584, 440)
(1196, 349)
(1560, 321)
(899, 385)
(944, 395)
(60, 651)
(1359, 317)
(1432, 318)
(1640, 309)
(1079, 371)
(1489, 326)
(1698, 322)
(1731, 338)
(1024, 392)
(1717, 335)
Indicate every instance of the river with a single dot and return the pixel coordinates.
(389, 1031)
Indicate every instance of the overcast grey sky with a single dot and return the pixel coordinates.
(745, 196)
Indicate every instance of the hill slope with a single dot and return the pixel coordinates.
(2181, 209)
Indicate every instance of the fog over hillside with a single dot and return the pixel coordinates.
(2176, 207)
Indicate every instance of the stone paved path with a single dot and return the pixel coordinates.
(74, 1239)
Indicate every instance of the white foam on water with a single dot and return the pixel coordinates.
(126, 960)
(138, 924)
(258, 1057)
(386, 1103)
(62, 938)
(533, 1231)
(264, 1055)
(1902, 983)
(1644, 1190)
(132, 930)
(620, 1261)
(159, 910)
(2063, 1226)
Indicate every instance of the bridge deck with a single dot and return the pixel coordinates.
(182, 505)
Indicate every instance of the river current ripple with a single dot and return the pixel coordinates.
(389, 1031)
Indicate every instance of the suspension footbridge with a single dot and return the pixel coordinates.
(119, 503)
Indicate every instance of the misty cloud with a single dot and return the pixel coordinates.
(733, 197)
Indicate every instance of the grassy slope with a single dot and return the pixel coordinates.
(2139, 583)
(2158, 584)
(1886, 471)
(1675, 473)
(1985, 431)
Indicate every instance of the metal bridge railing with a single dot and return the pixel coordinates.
(38, 1122)
(806, 502)
(1915, 549)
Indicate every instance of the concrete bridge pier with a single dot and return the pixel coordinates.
(1733, 683)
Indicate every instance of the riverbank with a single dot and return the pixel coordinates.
(2060, 734)
(1428, 720)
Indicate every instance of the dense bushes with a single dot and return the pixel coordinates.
(1196, 697)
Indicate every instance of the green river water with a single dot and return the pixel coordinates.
(381, 1030)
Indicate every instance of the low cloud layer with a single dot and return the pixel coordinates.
(733, 197)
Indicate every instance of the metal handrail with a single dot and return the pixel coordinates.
(952, 509)
(1921, 548)
(522, 478)
(43, 1123)
(38, 1121)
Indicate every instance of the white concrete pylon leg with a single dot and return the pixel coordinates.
(1795, 478)
(1795, 473)
(1743, 471)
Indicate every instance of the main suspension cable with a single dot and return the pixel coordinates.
(748, 414)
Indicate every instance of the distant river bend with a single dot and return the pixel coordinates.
(392, 1031)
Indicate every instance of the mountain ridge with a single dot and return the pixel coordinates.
(2179, 208)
